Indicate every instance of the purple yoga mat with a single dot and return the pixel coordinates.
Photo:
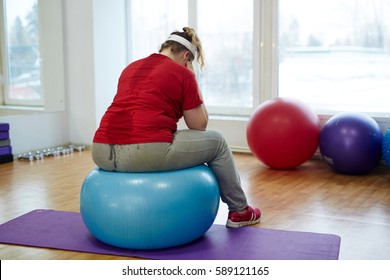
(6, 158)
(4, 135)
(6, 150)
(4, 126)
(66, 231)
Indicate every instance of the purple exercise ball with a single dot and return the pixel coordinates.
(351, 143)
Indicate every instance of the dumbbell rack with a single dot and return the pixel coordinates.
(41, 154)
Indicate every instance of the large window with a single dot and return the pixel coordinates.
(31, 55)
(150, 23)
(22, 53)
(226, 27)
(226, 30)
(335, 54)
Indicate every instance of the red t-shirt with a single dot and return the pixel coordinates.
(152, 94)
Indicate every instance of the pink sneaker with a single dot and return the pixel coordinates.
(249, 217)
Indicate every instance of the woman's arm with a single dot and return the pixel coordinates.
(198, 117)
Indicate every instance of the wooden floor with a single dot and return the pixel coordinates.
(311, 198)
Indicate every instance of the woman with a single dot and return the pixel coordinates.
(138, 132)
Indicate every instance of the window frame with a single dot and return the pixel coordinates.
(52, 59)
(8, 101)
(265, 59)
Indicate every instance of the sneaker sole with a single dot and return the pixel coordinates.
(231, 224)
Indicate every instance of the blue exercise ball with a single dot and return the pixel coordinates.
(351, 143)
(149, 210)
(386, 148)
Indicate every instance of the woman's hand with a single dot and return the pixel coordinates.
(198, 117)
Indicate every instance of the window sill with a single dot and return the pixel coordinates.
(19, 110)
(228, 118)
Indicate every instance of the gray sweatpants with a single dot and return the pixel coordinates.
(189, 148)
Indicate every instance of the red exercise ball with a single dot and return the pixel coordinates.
(283, 133)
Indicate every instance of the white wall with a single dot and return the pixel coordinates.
(95, 33)
(110, 56)
(37, 131)
(79, 69)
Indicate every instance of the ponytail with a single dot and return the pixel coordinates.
(198, 45)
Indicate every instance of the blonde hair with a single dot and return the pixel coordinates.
(190, 35)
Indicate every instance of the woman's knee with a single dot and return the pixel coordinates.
(218, 136)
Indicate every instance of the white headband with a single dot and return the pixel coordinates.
(184, 42)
